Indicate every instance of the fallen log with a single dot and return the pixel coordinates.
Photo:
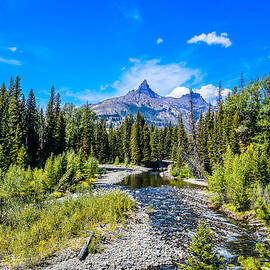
(84, 251)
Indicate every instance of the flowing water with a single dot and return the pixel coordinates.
(176, 208)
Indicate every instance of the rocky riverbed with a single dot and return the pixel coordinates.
(133, 246)
(158, 233)
(116, 173)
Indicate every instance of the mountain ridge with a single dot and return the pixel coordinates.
(156, 109)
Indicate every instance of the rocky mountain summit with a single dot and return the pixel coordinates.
(155, 108)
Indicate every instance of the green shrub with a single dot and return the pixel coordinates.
(181, 172)
(126, 161)
(32, 232)
(14, 181)
(116, 162)
(235, 181)
(91, 167)
(201, 250)
(216, 183)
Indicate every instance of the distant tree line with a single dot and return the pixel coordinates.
(28, 135)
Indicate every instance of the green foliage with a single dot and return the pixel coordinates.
(263, 262)
(216, 183)
(31, 126)
(136, 152)
(126, 161)
(201, 250)
(116, 162)
(146, 145)
(32, 232)
(181, 172)
(91, 167)
(22, 158)
(234, 182)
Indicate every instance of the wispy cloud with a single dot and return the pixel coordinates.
(10, 61)
(135, 14)
(162, 78)
(82, 96)
(103, 87)
(212, 39)
(131, 12)
(134, 60)
(13, 49)
(208, 92)
(159, 40)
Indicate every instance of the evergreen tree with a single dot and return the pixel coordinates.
(202, 255)
(201, 141)
(234, 140)
(160, 146)
(154, 143)
(182, 135)
(49, 136)
(3, 160)
(126, 135)
(60, 134)
(168, 142)
(31, 124)
(111, 139)
(146, 145)
(15, 132)
(41, 131)
(22, 157)
(136, 154)
(3, 112)
(219, 96)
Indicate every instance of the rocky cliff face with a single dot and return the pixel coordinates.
(155, 108)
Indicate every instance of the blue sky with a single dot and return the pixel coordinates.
(92, 50)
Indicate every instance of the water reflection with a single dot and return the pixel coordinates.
(144, 180)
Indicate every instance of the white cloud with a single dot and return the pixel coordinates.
(10, 61)
(13, 49)
(178, 92)
(225, 92)
(134, 60)
(114, 85)
(208, 92)
(159, 40)
(131, 13)
(103, 87)
(162, 78)
(212, 39)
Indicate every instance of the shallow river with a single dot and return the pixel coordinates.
(176, 208)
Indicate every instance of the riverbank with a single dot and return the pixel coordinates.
(116, 173)
(193, 181)
(248, 217)
(130, 246)
(133, 246)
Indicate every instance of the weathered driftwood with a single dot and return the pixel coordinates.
(84, 251)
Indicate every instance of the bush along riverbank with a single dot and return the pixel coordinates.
(32, 232)
(39, 214)
(240, 189)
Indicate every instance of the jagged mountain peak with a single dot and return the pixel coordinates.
(145, 89)
(144, 86)
(156, 109)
